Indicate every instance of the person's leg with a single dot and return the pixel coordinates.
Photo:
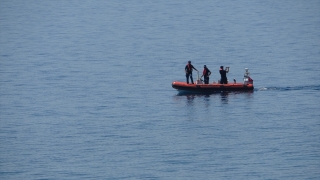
(187, 76)
(191, 78)
(225, 81)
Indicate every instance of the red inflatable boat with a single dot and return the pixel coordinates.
(200, 87)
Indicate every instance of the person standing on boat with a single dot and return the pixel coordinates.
(224, 79)
(188, 70)
(206, 73)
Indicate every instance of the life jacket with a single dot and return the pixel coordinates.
(204, 71)
(189, 67)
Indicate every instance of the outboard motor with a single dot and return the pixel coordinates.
(246, 78)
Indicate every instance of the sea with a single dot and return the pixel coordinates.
(86, 90)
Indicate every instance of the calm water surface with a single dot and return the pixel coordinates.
(85, 90)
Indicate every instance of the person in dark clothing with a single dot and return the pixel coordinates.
(224, 79)
(188, 70)
(206, 73)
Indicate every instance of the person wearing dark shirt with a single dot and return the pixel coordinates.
(206, 73)
(223, 73)
(188, 70)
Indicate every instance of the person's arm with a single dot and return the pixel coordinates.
(194, 68)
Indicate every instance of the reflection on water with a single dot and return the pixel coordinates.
(223, 96)
(223, 93)
(186, 93)
(190, 99)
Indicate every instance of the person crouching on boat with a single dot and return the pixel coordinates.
(188, 70)
(224, 79)
(206, 73)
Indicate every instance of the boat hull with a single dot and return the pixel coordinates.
(210, 88)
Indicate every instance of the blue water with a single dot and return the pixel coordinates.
(85, 90)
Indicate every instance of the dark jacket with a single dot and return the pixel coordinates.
(189, 68)
(206, 72)
(223, 74)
